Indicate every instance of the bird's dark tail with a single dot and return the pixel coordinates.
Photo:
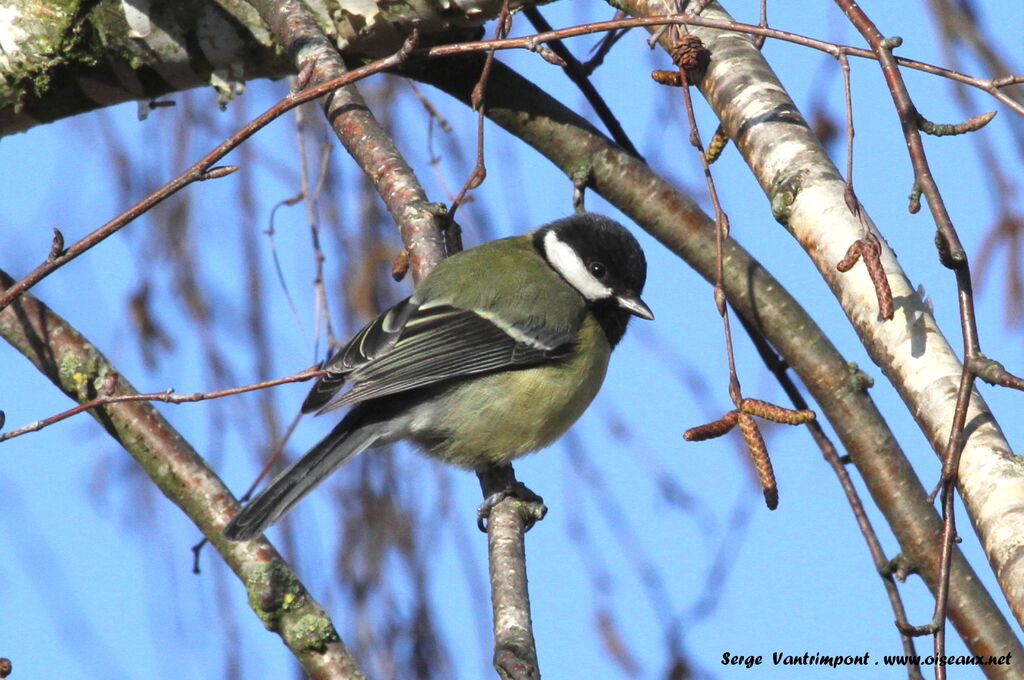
(347, 439)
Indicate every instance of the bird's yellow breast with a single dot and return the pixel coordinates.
(507, 414)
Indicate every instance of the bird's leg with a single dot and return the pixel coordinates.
(499, 482)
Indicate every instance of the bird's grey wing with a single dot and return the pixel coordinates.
(374, 339)
(439, 342)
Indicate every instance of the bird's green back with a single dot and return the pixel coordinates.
(529, 294)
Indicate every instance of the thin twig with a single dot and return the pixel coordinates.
(601, 50)
(275, 454)
(168, 396)
(688, 55)
(479, 104)
(200, 170)
(197, 170)
(953, 256)
(721, 231)
(574, 70)
(270, 233)
(844, 65)
(310, 198)
(990, 85)
(425, 102)
(778, 368)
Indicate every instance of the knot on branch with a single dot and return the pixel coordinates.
(516, 662)
(273, 590)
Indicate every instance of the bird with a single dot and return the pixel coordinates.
(497, 352)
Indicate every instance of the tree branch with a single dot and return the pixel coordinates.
(418, 220)
(573, 145)
(96, 77)
(198, 171)
(168, 396)
(515, 650)
(808, 197)
(79, 370)
(421, 225)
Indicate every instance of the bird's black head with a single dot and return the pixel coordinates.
(600, 258)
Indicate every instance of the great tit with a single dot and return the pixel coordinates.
(497, 352)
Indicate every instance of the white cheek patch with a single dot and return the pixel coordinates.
(566, 262)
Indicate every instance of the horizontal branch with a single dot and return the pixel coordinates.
(39, 94)
(531, 42)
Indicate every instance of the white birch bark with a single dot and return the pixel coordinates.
(807, 195)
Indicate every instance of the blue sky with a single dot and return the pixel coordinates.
(99, 584)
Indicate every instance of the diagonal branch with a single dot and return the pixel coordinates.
(422, 226)
(317, 60)
(808, 196)
(579, 75)
(198, 171)
(76, 367)
(572, 143)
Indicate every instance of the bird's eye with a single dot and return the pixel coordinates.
(597, 269)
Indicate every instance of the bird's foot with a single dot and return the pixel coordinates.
(499, 483)
(532, 508)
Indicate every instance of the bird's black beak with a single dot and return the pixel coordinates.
(635, 306)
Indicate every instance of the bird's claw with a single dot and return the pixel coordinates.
(531, 506)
